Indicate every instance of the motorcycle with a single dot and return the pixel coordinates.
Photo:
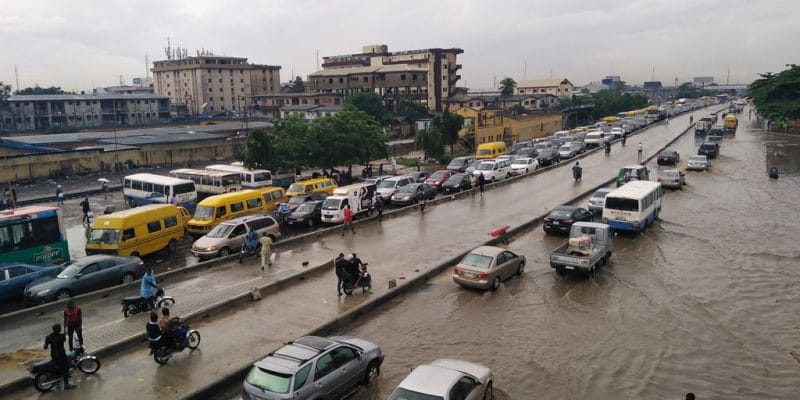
(363, 281)
(136, 304)
(249, 251)
(46, 375)
(577, 173)
(186, 338)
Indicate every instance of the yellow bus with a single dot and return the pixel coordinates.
(490, 150)
(610, 120)
(216, 209)
(138, 231)
(318, 185)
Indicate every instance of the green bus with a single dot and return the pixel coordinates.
(33, 235)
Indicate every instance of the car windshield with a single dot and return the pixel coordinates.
(697, 158)
(485, 152)
(306, 207)
(456, 163)
(70, 271)
(438, 175)
(707, 146)
(521, 162)
(485, 167)
(105, 236)
(670, 174)
(405, 394)
(296, 188)
(407, 189)
(565, 147)
(269, 381)
(386, 184)
(456, 178)
(220, 231)
(560, 214)
(297, 200)
(667, 153)
(477, 260)
(204, 212)
(331, 204)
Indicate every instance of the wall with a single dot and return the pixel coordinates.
(72, 162)
(532, 127)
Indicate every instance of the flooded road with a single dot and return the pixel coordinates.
(705, 301)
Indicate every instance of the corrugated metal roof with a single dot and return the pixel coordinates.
(83, 97)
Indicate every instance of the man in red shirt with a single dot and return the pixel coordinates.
(348, 220)
(73, 321)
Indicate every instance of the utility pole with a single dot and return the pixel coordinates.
(16, 76)
(728, 78)
(653, 77)
(316, 60)
(525, 71)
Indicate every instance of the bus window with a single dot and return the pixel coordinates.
(221, 212)
(154, 226)
(128, 234)
(254, 203)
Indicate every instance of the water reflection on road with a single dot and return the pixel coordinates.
(705, 301)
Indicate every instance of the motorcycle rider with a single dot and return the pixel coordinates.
(250, 244)
(172, 327)
(577, 171)
(341, 272)
(58, 356)
(154, 333)
(148, 288)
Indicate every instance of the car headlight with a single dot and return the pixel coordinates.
(43, 292)
(211, 248)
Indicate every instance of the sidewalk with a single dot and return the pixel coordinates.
(400, 248)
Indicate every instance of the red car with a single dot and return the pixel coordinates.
(439, 178)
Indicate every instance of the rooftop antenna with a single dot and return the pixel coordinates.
(525, 71)
(146, 67)
(728, 79)
(494, 82)
(317, 59)
(654, 74)
(16, 77)
(168, 50)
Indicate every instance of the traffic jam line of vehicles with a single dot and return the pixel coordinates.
(589, 244)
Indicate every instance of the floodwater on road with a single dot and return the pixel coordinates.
(705, 301)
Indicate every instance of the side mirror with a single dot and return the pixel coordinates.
(78, 275)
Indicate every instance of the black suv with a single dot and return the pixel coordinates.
(668, 157)
(708, 149)
(561, 218)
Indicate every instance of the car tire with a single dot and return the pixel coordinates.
(310, 223)
(224, 252)
(489, 393)
(521, 268)
(128, 277)
(63, 294)
(172, 247)
(494, 180)
(373, 371)
(495, 283)
(135, 254)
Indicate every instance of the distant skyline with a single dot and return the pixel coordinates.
(80, 45)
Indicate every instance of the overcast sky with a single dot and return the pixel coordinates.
(81, 44)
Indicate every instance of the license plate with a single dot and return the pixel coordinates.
(291, 222)
(469, 275)
(555, 223)
(568, 267)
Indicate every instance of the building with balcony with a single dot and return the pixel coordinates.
(427, 75)
(557, 87)
(209, 84)
(308, 113)
(41, 112)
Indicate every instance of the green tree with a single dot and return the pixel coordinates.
(517, 108)
(688, 91)
(5, 91)
(411, 109)
(298, 86)
(611, 102)
(259, 151)
(370, 103)
(449, 124)
(40, 90)
(507, 86)
(777, 96)
(430, 140)
(348, 137)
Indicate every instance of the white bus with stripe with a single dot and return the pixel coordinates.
(633, 206)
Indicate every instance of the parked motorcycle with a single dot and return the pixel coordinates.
(46, 375)
(181, 338)
(136, 304)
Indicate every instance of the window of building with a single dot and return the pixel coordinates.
(241, 71)
(169, 93)
(220, 89)
(241, 89)
(168, 85)
(335, 101)
(444, 77)
(210, 89)
(305, 101)
(330, 80)
(241, 80)
(402, 77)
(219, 70)
(366, 79)
(341, 80)
(444, 90)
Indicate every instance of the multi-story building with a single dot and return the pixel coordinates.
(210, 84)
(269, 105)
(427, 75)
(556, 87)
(40, 112)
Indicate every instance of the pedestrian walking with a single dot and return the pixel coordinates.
(418, 165)
(105, 190)
(691, 119)
(86, 209)
(380, 169)
(473, 184)
(394, 166)
(59, 196)
(481, 183)
(639, 152)
(421, 203)
(340, 266)
(348, 220)
(379, 207)
(266, 247)
(73, 322)
(58, 355)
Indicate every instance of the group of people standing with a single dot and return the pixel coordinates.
(55, 341)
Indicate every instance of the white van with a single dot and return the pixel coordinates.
(359, 197)
(594, 139)
(494, 170)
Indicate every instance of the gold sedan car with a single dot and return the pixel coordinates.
(486, 266)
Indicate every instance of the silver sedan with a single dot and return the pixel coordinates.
(447, 379)
(486, 266)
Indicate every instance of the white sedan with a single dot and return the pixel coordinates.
(697, 163)
(524, 165)
(446, 379)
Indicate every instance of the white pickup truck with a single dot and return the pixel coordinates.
(589, 245)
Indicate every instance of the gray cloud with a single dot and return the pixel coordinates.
(80, 44)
